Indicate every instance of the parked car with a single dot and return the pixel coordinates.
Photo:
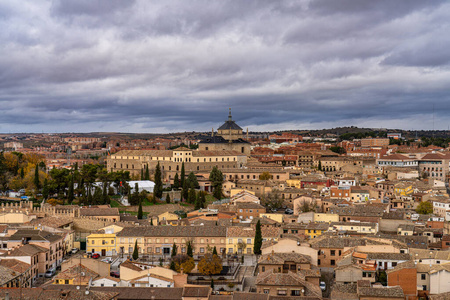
(288, 211)
(95, 255)
(323, 286)
(115, 274)
(74, 250)
(107, 260)
(50, 273)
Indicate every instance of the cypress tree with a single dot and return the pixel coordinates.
(185, 192)
(135, 196)
(168, 198)
(97, 198)
(258, 239)
(189, 251)
(216, 178)
(70, 196)
(172, 266)
(147, 173)
(176, 182)
(22, 173)
(36, 178)
(151, 221)
(158, 189)
(174, 250)
(214, 251)
(142, 174)
(198, 203)
(212, 284)
(89, 196)
(105, 196)
(140, 212)
(183, 175)
(135, 251)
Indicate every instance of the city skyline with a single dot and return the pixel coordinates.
(135, 66)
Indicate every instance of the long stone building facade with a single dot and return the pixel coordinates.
(171, 160)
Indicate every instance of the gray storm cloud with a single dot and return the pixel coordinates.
(163, 66)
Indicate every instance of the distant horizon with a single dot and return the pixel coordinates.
(206, 132)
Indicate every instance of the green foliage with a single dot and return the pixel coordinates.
(158, 189)
(168, 198)
(258, 239)
(191, 196)
(70, 195)
(176, 182)
(424, 208)
(320, 166)
(190, 250)
(216, 178)
(183, 176)
(360, 135)
(37, 184)
(140, 212)
(214, 250)
(135, 251)
(172, 266)
(212, 284)
(192, 181)
(45, 191)
(147, 173)
(338, 150)
(174, 250)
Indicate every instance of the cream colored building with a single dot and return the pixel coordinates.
(171, 160)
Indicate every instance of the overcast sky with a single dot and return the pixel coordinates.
(165, 66)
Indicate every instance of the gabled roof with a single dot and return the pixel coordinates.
(281, 258)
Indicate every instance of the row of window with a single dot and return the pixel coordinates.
(166, 240)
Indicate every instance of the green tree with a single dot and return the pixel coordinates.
(258, 239)
(216, 178)
(22, 173)
(212, 284)
(214, 250)
(147, 173)
(168, 198)
(97, 198)
(158, 189)
(191, 196)
(142, 174)
(183, 175)
(105, 196)
(192, 181)
(45, 191)
(70, 195)
(190, 250)
(176, 182)
(185, 192)
(135, 251)
(140, 212)
(174, 250)
(37, 184)
(210, 264)
(424, 208)
(320, 166)
(172, 266)
(151, 222)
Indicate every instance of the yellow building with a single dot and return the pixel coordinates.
(403, 189)
(103, 241)
(297, 183)
(314, 230)
(165, 218)
(241, 240)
